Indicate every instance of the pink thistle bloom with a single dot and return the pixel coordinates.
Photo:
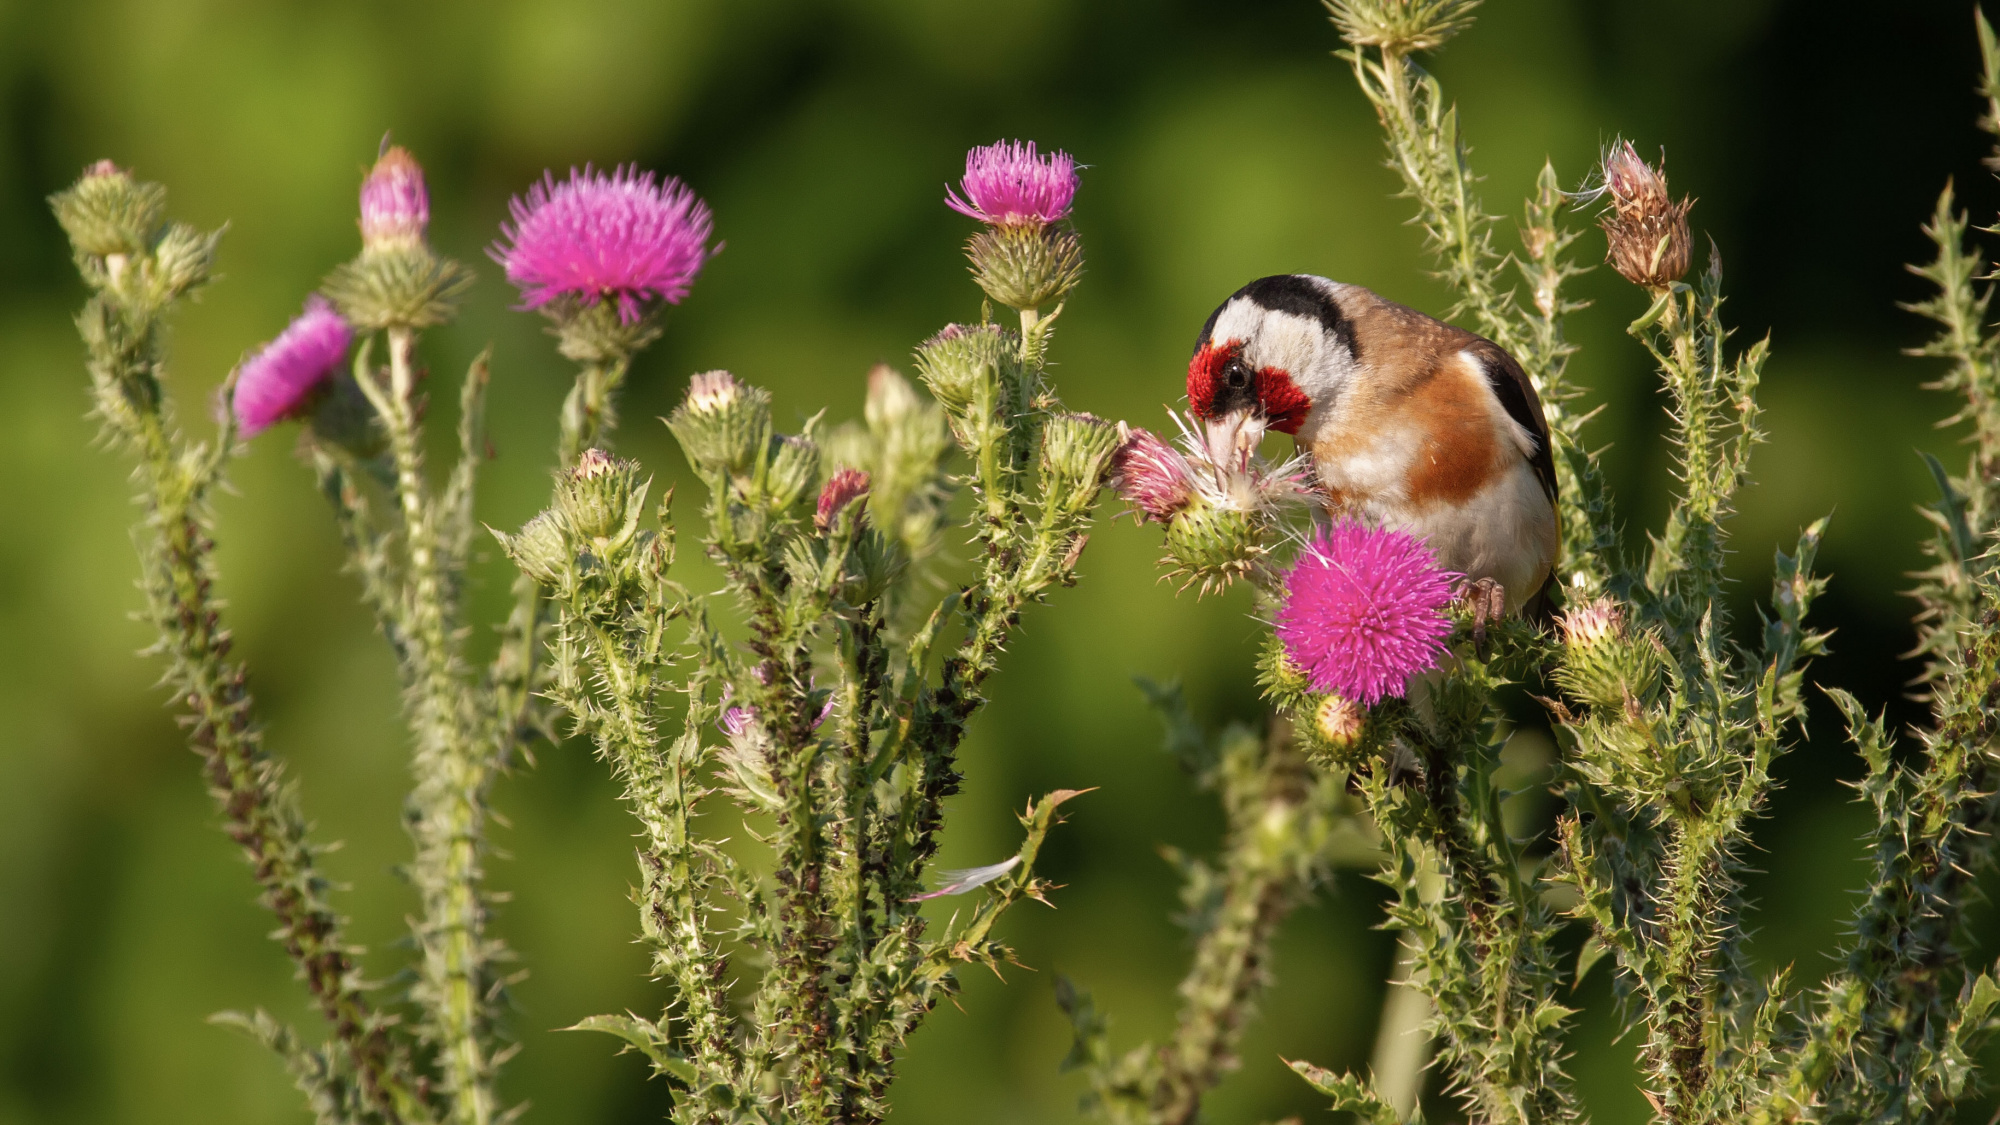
(624, 236)
(276, 381)
(845, 487)
(1007, 184)
(1364, 611)
(1152, 476)
(736, 720)
(395, 206)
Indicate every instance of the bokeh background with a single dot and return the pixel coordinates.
(1223, 142)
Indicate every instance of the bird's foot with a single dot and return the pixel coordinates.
(1488, 601)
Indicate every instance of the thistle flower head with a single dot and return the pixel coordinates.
(1008, 184)
(1400, 26)
(1364, 611)
(277, 380)
(395, 206)
(1236, 477)
(1592, 623)
(713, 391)
(1152, 476)
(626, 237)
(843, 488)
(1645, 229)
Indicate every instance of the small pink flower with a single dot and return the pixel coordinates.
(395, 206)
(1152, 476)
(845, 486)
(276, 381)
(1364, 611)
(624, 236)
(1007, 184)
(736, 720)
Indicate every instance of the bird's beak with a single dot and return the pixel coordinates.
(1234, 437)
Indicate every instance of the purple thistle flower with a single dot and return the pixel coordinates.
(1007, 184)
(276, 381)
(1152, 476)
(736, 720)
(625, 236)
(395, 206)
(1364, 611)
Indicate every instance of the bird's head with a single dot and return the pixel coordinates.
(1276, 353)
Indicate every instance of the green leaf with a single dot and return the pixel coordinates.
(644, 1036)
(1587, 958)
(1349, 1094)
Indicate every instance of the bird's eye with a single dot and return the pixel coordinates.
(1237, 374)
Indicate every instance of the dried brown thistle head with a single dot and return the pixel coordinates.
(1646, 230)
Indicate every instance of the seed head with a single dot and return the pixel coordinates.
(1646, 231)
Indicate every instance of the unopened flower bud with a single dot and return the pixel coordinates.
(395, 206)
(539, 549)
(108, 213)
(1152, 476)
(1604, 663)
(794, 466)
(396, 281)
(1214, 546)
(1338, 723)
(1076, 454)
(846, 486)
(1646, 231)
(1400, 26)
(600, 495)
(1025, 267)
(723, 424)
(964, 364)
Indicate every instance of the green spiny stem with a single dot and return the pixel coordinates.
(590, 413)
(453, 772)
(261, 814)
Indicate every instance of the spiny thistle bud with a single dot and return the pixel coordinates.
(843, 488)
(1335, 726)
(723, 423)
(1400, 26)
(1214, 546)
(1076, 454)
(1364, 610)
(793, 468)
(396, 281)
(1152, 476)
(1025, 267)
(540, 549)
(965, 364)
(108, 213)
(1603, 663)
(395, 205)
(597, 497)
(1646, 231)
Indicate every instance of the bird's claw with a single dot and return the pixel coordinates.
(1488, 601)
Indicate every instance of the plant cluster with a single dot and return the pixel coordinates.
(787, 743)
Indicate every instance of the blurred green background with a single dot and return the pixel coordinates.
(1223, 144)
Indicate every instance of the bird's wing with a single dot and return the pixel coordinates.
(1517, 396)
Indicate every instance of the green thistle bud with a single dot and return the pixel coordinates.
(595, 333)
(723, 424)
(600, 497)
(107, 213)
(1214, 546)
(1026, 266)
(401, 285)
(1076, 457)
(540, 549)
(182, 259)
(1400, 26)
(967, 364)
(794, 468)
(1604, 664)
